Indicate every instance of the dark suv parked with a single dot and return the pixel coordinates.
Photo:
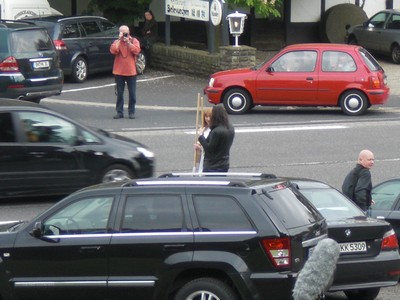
(29, 63)
(83, 43)
(180, 237)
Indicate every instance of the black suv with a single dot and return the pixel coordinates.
(83, 43)
(180, 236)
(29, 63)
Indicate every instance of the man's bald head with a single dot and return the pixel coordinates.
(366, 159)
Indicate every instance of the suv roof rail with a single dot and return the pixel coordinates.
(220, 174)
(152, 182)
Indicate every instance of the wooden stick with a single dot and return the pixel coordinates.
(197, 131)
(202, 111)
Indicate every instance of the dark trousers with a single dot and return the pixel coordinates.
(131, 84)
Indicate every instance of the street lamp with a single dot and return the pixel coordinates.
(236, 24)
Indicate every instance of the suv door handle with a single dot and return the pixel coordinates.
(91, 249)
(37, 153)
(174, 246)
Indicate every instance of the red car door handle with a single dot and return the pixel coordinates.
(309, 78)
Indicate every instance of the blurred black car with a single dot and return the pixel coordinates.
(83, 43)
(45, 153)
(29, 63)
(387, 203)
(369, 251)
(380, 34)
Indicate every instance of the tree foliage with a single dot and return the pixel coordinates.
(262, 7)
(120, 11)
(127, 11)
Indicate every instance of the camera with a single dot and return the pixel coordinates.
(125, 35)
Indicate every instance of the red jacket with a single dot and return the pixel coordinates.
(125, 56)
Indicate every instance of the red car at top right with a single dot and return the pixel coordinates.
(319, 75)
(380, 34)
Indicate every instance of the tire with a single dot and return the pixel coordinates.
(79, 70)
(205, 288)
(237, 101)
(365, 294)
(141, 63)
(396, 54)
(116, 172)
(354, 103)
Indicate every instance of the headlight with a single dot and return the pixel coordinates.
(211, 82)
(145, 152)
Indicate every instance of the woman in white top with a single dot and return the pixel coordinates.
(205, 130)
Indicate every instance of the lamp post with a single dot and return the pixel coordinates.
(236, 24)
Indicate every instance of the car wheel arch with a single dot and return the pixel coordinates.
(395, 52)
(212, 273)
(130, 170)
(358, 93)
(73, 64)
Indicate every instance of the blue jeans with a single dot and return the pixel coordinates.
(131, 84)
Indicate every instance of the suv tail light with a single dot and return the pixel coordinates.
(389, 241)
(9, 64)
(278, 249)
(60, 45)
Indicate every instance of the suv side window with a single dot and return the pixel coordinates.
(7, 133)
(153, 213)
(91, 28)
(89, 215)
(220, 213)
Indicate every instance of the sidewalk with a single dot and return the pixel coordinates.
(392, 70)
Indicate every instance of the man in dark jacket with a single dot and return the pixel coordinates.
(218, 143)
(358, 185)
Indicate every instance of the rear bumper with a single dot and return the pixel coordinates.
(273, 285)
(16, 86)
(33, 92)
(378, 96)
(380, 271)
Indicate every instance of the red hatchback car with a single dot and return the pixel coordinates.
(346, 76)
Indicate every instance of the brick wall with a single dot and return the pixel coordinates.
(201, 63)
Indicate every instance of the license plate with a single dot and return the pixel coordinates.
(41, 64)
(356, 247)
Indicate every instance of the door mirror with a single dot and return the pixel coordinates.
(37, 230)
(79, 141)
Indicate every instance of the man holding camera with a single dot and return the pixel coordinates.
(125, 48)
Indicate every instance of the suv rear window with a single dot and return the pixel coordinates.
(26, 41)
(220, 213)
(283, 200)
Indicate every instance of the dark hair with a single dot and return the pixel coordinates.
(219, 116)
(150, 12)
